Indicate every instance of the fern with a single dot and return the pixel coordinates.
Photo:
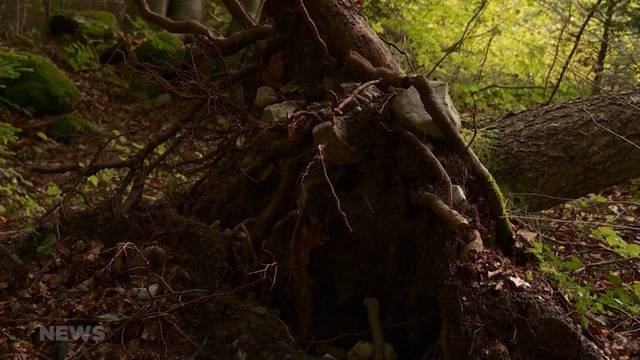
(81, 57)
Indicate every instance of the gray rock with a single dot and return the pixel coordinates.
(277, 113)
(441, 90)
(146, 293)
(457, 195)
(265, 96)
(410, 112)
(337, 150)
(361, 351)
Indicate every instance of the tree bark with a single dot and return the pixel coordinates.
(159, 6)
(564, 151)
(186, 9)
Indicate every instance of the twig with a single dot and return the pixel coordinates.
(475, 122)
(624, 227)
(403, 52)
(333, 190)
(556, 51)
(459, 42)
(313, 28)
(606, 262)
(239, 12)
(347, 100)
(573, 51)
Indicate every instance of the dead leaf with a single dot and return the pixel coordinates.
(519, 282)
(528, 236)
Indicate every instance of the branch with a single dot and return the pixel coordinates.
(238, 41)
(313, 28)
(429, 158)
(223, 45)
(239, 12)
(573, 50)
(509, 87)
(85, 171)
(457, 44)
(178, 27)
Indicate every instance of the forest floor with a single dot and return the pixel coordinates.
(89, 269)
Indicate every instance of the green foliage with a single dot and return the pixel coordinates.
(161, 48)
(508, 58)
(12, 66)
(618, 295)
(81, 57)
(65, 126)
(100, 24)
(7, 136)
(47, 244)
(14, 188)
(36, 84)
(610, 237)
(137, 25)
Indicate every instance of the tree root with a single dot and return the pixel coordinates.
(362, 68)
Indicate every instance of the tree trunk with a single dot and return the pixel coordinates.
(564, 151)
(604, 47)
(159, 6)
(186, 9)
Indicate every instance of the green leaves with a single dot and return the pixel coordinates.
(47, 244)
(81, 57)
(607, 297)
(610, 237)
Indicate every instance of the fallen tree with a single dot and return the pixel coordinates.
(543, 156)
(329, 199)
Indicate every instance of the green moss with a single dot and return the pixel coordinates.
(161, 48)
(493, 153)
(88, 25)
(40, 86)
(67, 125)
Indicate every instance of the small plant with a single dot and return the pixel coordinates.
(14, 195)
(47, 244)
(618, 296)
(81, 57)
(610, 237)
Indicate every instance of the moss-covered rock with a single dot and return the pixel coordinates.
(88, 25)
(65, 126)
(161, 48)
(36, 85)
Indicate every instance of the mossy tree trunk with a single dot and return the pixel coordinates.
(568, 150)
